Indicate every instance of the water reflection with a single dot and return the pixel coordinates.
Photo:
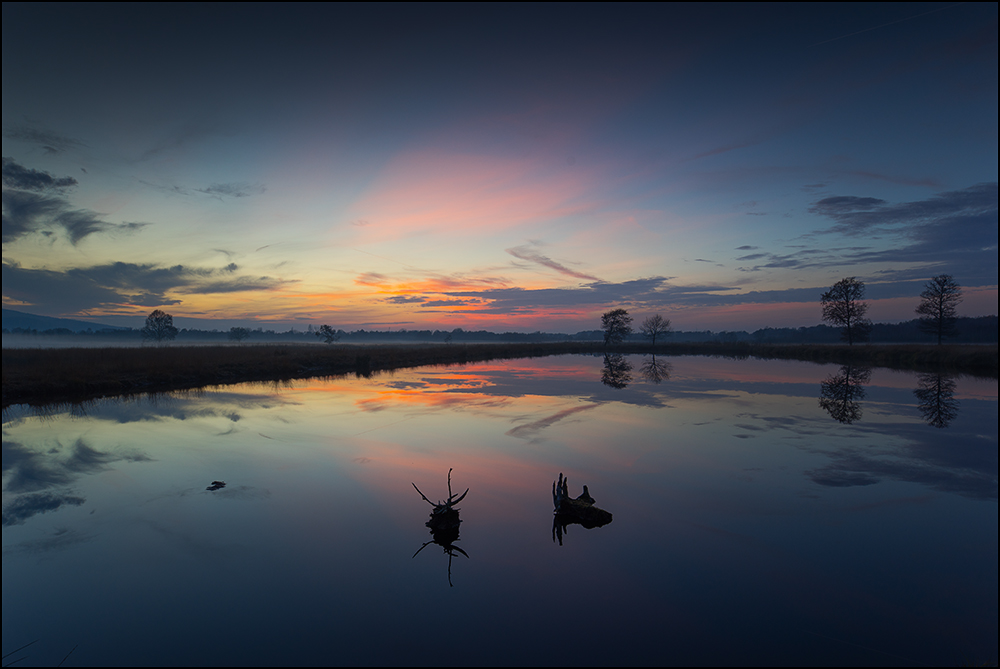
(444, 523)
(29, 473)
(936, 393)
(741, 511)
(617, 372)
(841, 394)
(655, 371)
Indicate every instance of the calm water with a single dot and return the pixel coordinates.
(764, 512)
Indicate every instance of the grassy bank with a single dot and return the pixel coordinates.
(42, 376)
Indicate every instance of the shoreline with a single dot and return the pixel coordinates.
(73, 375)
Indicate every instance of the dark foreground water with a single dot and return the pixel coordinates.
(764, 513)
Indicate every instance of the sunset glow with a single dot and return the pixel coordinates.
(488, 168)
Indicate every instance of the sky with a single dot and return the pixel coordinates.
(492, 167)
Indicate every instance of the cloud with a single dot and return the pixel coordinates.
(525, 252)
(648, 293)
(858, 215)
(28, 209)
(844, 205)
(237, 285)
(232, 190)
(404, 299)
(22, 178)
(449, 303)
(953, 232)
(218, 191)
(117, 284)
(26, 506)
(52, 142)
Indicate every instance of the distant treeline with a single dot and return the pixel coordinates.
(980, 330)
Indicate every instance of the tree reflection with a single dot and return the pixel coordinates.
(936, 393)
(841, 394)
(617, 372)
(655, 371)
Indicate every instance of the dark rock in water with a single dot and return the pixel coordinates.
(216, 485)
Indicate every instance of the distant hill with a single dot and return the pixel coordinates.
(19, 319)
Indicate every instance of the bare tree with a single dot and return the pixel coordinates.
(843, 306)
(617, 325)
(238, 334)
(937, 306)
(327, 334)
(654, 326)
(159, 327)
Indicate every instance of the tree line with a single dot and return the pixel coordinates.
(844, 307)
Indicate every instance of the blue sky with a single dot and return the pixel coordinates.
(520, 168)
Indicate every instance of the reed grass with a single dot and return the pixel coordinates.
(44, 376)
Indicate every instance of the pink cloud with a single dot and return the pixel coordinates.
(460, 194)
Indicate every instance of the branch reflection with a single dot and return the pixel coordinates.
(617, 372)
(841, 394)
(936, 393)
(655, 371)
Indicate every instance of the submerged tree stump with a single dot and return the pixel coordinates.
(578, 511)
(444, 523)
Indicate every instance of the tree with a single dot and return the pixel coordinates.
(159, 327)
(327, 333)
(843, 306)
(238, 334)
(655, 326)
(937, 306)
(617, 325)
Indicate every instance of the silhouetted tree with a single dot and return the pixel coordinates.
(238, 333)
(617, 325)
(327, 334)
(937, 306)
(936, 393)
(159, 327)
(841, 394)
(843, 306)
(654, 326)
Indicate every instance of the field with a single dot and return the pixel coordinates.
(43, 376)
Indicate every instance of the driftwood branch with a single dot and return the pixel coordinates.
(444, 524)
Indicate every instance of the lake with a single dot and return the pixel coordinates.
(764, 512)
